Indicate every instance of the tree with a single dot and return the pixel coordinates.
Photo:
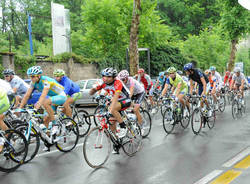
(133, 45)
(235, 21)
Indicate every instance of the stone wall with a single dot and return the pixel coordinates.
(75, 71)
(8, 60)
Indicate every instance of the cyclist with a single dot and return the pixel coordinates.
(166, 84)
(137, 92)
(120, 97)
(71, 89)
(202, 81)
(52, 93)
(238, 80)
(159, 81)
(148, 85)
(213, 86)
(179, 87)
(4, 106)
(218, 77)
(18, 85)
(227, 78)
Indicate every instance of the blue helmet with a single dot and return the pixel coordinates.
(212, 68)
(188, 66)
(161, 74)
(34, 70)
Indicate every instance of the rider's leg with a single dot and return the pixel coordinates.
(47, 105)
(3, 126)
(137, 113)
(67, 108)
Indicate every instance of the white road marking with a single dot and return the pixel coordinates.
(209, 177)
(237, 158)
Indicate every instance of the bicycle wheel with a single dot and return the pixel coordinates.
(14, 151)
(168, 120)
(196, 121)
(145, 105)
(186, 118)
(146, 118)
(211, 120)
(222, 103)
(235, 109)
(67, 138)
(83, 121)
(133, 140)
(164, 105)
(98, 114)
(33, 140)
(97, 147)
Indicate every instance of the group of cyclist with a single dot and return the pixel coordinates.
(124, 89)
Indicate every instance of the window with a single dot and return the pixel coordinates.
(81, 83)
(91, 83)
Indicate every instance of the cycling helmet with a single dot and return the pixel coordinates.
(109, 72)
(171, 70)
(227, 73)
(188, 66)
(180, 72)
(141, 70)
(59, 73)
(34, 70)
(123, 74)
(166, 72)
(8, 72)
(161, 74)
(236, 69)
(207, 72)
(212, 68)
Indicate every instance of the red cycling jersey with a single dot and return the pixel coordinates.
(116, 86)
(229, 78)
(146, 81)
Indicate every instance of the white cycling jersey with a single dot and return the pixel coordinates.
(20, 85)
(239, 78)
(138, 88)
(5, 86)
(218, 78)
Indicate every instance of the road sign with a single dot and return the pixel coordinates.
(240, 65)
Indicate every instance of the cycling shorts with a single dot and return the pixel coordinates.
(125, 102)
(58, 99)
(138, 98)
(201, 88)
(4, 104)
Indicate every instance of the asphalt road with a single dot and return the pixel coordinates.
(218, 156)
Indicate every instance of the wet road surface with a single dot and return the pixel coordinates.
(217, 156)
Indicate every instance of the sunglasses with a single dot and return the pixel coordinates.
(6, 76)
(33, 76)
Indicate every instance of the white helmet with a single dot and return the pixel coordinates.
(236, 69)
(123, 75)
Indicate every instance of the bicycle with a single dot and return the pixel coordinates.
(200, 115)
(174, 114)
(14, 151)
(103, 103)
(65, 138)
(99, 140)
(238, 105)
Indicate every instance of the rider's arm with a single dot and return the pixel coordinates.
(94, 90)
(114, 100)
(164, 91)
(191, 86)
(132, 87)
(42, 97)
(67, 85)
(156, 84)
(242, 84)
(26, 97)
(232, 84)
(204, 85)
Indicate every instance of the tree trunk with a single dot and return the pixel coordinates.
(133, 46)
(232, 55)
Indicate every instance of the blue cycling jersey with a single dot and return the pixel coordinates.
(46, 82)
(69, 86)
(161, 80)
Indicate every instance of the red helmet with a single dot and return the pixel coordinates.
(227, 73)
(141, 70)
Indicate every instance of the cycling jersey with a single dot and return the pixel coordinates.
(175, 82)
(54, 87)
(115, 86)
(197, 75)
(218, 78)
(239, 78)
(212, 80)
(5, 86)
(138, 88)
(20, 85)
(69, 86)
(4, 101)
(228, 78)
(146, 81)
